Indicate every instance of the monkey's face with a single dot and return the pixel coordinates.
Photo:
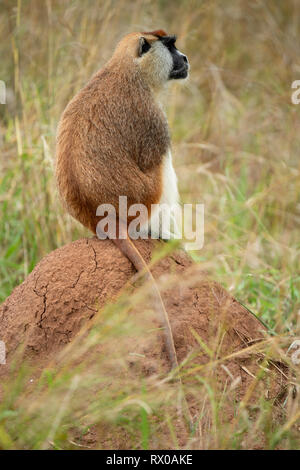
(160, 60)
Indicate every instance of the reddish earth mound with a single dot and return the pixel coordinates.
(69, 285)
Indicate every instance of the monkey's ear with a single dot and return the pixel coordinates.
(144, 46)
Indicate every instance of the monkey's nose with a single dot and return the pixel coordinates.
(185, 59)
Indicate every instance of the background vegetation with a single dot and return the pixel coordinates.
(236, 145)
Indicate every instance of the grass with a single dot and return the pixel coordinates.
(236, 146)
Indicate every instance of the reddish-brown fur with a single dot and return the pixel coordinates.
(158, 32)
(111, 140)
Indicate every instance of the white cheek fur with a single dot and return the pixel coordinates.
(163, 62)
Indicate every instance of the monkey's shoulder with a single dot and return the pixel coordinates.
(115, 114)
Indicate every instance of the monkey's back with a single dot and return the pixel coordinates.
(111, 141)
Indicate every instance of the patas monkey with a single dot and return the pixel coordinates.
(113, 139)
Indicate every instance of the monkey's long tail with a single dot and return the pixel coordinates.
(127, 247)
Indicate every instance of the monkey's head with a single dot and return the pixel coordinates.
(156, 55)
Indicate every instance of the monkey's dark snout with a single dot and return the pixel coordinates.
(180, 66)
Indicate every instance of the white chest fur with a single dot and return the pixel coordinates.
(170, 193)
(165, 216)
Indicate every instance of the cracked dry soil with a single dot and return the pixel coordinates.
(70, 284)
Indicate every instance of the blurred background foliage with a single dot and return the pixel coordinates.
(236, 145)
(236, 138)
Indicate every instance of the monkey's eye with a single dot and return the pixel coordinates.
(144, 46)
